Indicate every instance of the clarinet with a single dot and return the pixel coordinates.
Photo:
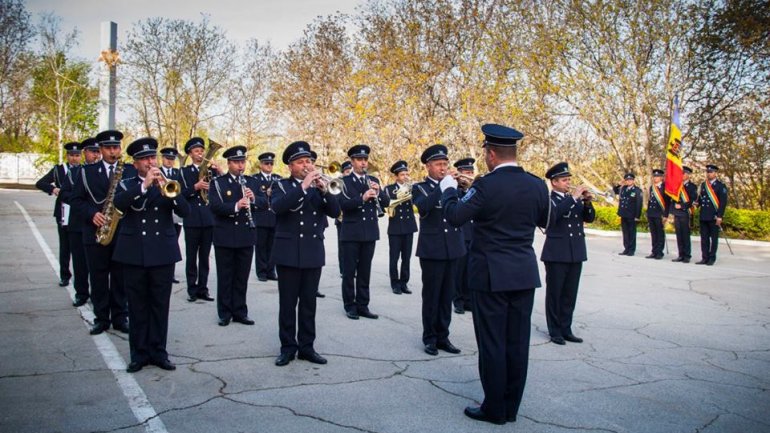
(242, 181)
(380, 213)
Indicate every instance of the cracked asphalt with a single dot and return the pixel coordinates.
(668, 348)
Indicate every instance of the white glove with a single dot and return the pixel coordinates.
(448, 182)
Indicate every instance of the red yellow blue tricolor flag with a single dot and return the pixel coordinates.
(673, 182)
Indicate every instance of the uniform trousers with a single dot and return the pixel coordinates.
(107, 292)
(262, 264)
(709, 240)
(178, 228)
(438, 289)
(562, 281)
(462, 297)
(64, 252)
(502, 324)
(149, 295)
(356, 271)
(628, 225)
(400, 247)
(197, 250)
(657, 235)
(79, 264)
(296, 326)
(233, 269)
(682, 226)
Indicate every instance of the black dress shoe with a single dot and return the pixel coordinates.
(479, 415)
(79, 302)
(175, 281)
(284, 359)
(710, 262)
(702, 262)
(134, 366)
(396, 289)
(272, 277)
(430, 349)
(659, 256)
(405, 289)
(624, 253)
(651, 256)
(678, 259)
(223, 322)
(98, 328)
(191, 298)
(368, 314)
(558, 340)
(459, 310)
(122, 327)
(448, 347)
(262, 278)
(243, 320)
(352, 315)
(205, 296)
(313, 357)
(164, 364)
(572, 339)
(319, 295)
(686, 260)
(63, 283)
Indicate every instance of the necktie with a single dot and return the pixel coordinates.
(112, 171)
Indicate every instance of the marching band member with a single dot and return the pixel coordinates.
(265, 217)
(169, 156)
(401, 229)
(301, 204)
(462, 298)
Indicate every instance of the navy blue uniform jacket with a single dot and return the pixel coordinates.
(630, 201)
(506, 205)
(403, 221)
(565, 240)
(200, 214)
(438, 239)
(53, 179)
(359, 219)
(692, 193)
(707, 210)
(654, 209)
(231, 228)
(299, 227)
(146, 236)
(265, 217)
(89, 193)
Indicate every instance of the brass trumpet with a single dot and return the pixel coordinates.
(589, 193)
(467, 180)
(334, 185)
(168, 187)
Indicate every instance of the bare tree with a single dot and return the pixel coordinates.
(16, 63)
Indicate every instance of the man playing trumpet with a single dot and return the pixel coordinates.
(462, 297)
(401, 227)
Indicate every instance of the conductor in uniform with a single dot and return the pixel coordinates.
(361, 201)
(90, 194)
(147, 247)
(401, 229)
(657, 213)
(712, 200)
(462, 299)
(233, 205)
(301, 204)
(682, 210)
(265, 217)
(199, 224)
(168, 158)
(506, 205)
(51, 184)
(629, 211)
(564, 252)
(439, 247)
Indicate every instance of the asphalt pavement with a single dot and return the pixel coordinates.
(668, 347)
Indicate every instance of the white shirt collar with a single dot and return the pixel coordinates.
(506, 164)
(267, 175)
(560, 194)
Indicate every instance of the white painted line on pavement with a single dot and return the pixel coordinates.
(137, 399)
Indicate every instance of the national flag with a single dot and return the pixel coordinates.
(673, 182)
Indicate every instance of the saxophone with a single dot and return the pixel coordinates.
(204, 173)
(112, 214)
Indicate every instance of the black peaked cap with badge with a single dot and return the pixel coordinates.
(465, 164)
(110, 137)
(559, 170)
(266, 157)
(142, 147)
(90, 144)
(499, 135)
(629, 176)
(658, 172)
(711, 167)
(73, 148)
(296, 150)
(359, 151)
(399, 166)
(437, 151)
(686, 169)
(235, 153)
(346, 165)
(169, 152)
(193, 143)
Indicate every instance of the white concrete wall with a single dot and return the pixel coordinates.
(21, 168)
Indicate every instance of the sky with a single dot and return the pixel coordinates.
(280, 22)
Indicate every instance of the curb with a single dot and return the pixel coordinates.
(646, 235)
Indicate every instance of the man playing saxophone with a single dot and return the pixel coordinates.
(401, 227)
(199, 224)
(92, 197)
